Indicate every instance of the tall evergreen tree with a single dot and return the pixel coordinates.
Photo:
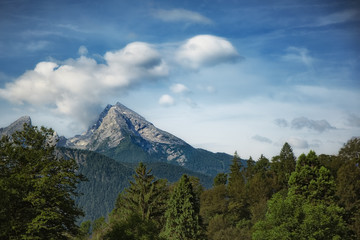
(37, 188)
(283, 165)
(182, 214)
(146, 197)
(235, 176)
(238, 206)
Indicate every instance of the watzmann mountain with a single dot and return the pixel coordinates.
(125, 136)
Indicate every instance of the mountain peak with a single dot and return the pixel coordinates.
(18, 125)
(117, 123)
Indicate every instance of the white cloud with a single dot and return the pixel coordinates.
(179, 88)
(181, 15)
(78, 86)
(166, 100)
(206, 50)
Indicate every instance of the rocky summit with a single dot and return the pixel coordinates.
(124, 135)
(18, 125)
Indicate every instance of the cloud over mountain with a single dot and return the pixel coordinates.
(82, 83)
(79, 87)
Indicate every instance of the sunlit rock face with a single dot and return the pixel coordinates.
(117, 124)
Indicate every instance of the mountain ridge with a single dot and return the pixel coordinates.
(124, 135)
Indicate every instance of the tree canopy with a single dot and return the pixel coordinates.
(37, 188)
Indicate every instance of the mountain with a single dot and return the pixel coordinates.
(124, 135)
(18, 125)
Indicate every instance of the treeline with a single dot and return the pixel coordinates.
(311, 197)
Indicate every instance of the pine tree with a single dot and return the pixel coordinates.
(238, 206)
(283, 165)
(37, 188)
(146, 197)
(182, 215)
(235, 177)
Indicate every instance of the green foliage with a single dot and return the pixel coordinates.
(235, 177)
(308, 210)
(37, 188)
(348, 184)
(283, 165)
(237, 190)
(213, 202)
(312, 180)
(294, 218)
(133, 227)
(220, 179)
(84, 231)
(182, 214)
(146, 197)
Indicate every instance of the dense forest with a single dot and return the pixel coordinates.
(311, 197)
(308, 197)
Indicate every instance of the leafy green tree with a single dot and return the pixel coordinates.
(308, 210)
(312, 180)
(182, 214)
(37, 188)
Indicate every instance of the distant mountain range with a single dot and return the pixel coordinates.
(109, 151)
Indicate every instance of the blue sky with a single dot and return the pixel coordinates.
(226, 76)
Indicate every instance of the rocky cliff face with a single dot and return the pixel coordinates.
(18, 125)
(118, 124)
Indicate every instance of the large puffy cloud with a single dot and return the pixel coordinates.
(206, 50)
(77, 86)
